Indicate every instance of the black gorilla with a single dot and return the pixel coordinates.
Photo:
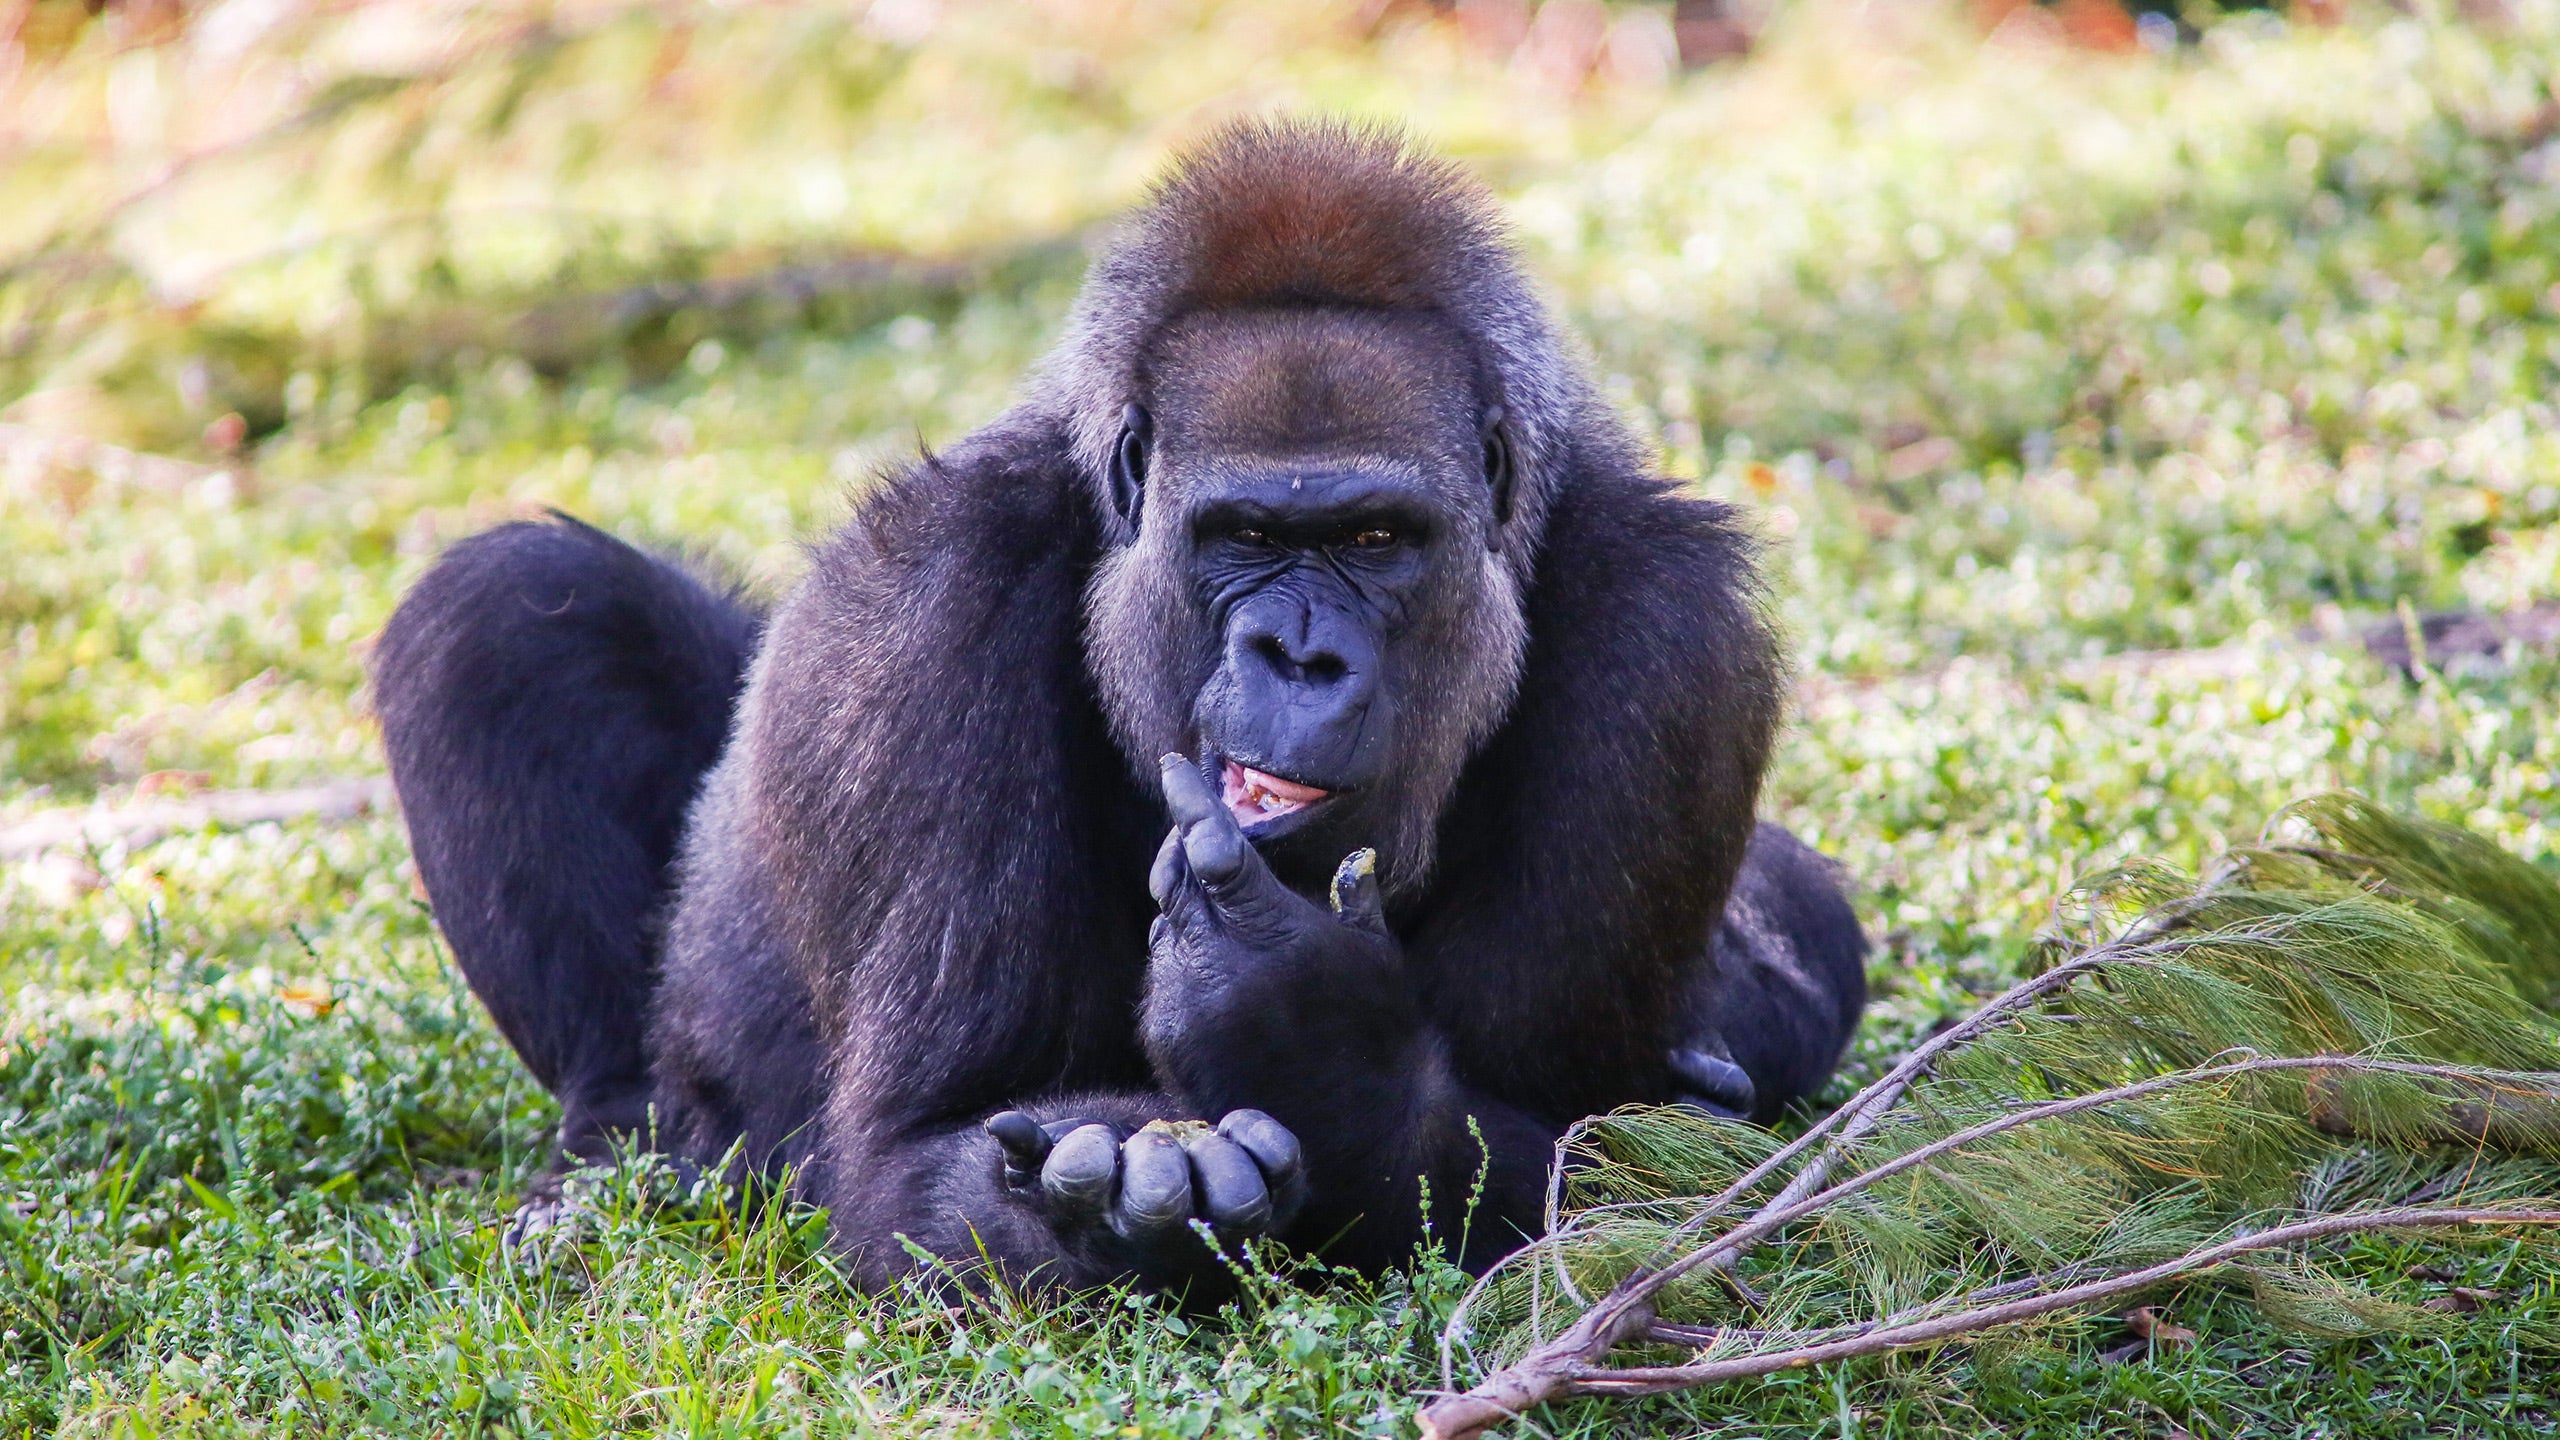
(1313, 539)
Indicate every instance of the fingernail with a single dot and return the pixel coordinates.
(1357, 866)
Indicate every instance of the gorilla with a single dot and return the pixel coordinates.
(1269, 782)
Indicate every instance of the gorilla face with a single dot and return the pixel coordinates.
(1310, 571)
(1318, 495)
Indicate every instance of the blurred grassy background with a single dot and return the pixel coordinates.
(2095, 383)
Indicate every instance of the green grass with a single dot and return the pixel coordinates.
(2029, 365)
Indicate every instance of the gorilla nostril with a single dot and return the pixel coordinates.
(1276, 655)
(1321, 668)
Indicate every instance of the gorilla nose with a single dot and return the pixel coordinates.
(1318, 660)
(1301, 689)
(1307, 666)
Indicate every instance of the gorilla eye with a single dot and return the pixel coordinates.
(1374, 539)
(1251, 536)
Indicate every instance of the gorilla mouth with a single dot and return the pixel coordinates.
(1255, 798)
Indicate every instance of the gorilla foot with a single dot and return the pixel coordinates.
(548, 1210)
(560, 1199)
(1712, 1082)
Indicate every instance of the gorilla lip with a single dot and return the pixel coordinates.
(1254, 797)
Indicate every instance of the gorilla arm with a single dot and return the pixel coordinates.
(1260, 997)
(1582, 865)
(955, 853)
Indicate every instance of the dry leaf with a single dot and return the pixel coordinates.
(2126, 1353)
(312, 1000)
(2153, 1324)
(2463, 1300)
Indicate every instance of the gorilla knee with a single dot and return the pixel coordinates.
(550, 698)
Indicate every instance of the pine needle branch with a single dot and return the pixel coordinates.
(1646, 1380)
(2119, 1120)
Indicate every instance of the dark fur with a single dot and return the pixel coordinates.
(914, 889)
(547, 694)
(1790, 974)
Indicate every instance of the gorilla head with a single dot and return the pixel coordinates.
(1330, 625)
(1325, 513)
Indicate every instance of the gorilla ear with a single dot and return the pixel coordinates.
(1498, 471)
(1129, 465)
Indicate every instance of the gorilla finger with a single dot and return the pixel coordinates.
(1164, 878)
(1275, 1149)
(1229, 1186)
(1187, 794)
(1217, 853)
(1058, 1130)
(1155, 1184)
(1181, 899)
(1024, 1142)
(1268, 1141)
(1078, 1176)
(1212, 844)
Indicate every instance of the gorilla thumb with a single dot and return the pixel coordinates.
(1355, 891)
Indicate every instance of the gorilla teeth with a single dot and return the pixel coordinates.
(1252, 795)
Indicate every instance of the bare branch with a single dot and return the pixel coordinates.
(1552, 1368)
(1515, 1390)
(145, 821)
(1642, 1380)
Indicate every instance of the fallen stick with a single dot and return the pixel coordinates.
(1570, 1367)
(2451, 1103)
(29, 449)
(142, 822)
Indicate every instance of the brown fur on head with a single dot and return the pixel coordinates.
(1315, 213)
(1319, 215)
(1272, 381)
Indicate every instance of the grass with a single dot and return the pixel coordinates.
(2031, 365)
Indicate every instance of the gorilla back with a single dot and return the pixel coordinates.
(1298, 753)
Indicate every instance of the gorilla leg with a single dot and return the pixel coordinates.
(733, 1034)
(1767, 1021)
(550, 698)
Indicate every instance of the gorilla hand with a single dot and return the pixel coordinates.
(1257, 995)
(1243, 1177)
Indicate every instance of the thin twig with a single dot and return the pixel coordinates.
(1699, 1336)
(143, 822)
(1640, 1380)
(1516, 1390)
(1549, 1370)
